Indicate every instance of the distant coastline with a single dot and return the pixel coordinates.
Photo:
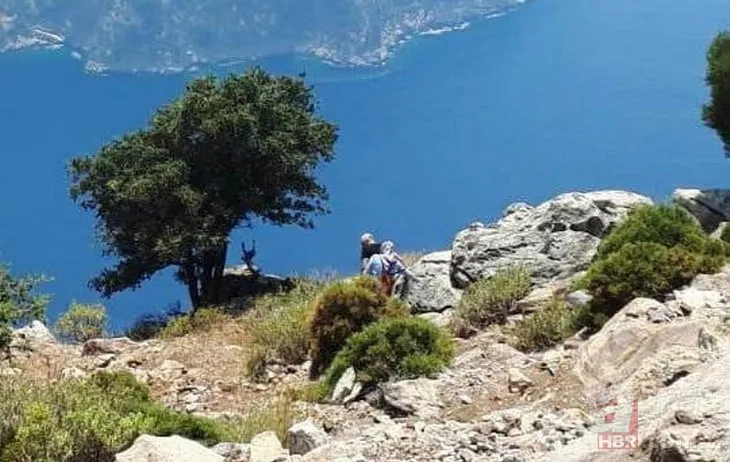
(392, 40)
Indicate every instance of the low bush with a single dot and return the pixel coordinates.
(667, 225)
(397, 348)
(343, 309)
(201, 320)
(89, 420)
(644, 270)
(490, 300)
(549, 326)
(657, 249)
(82, 322)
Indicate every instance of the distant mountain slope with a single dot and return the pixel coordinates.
(177, 34)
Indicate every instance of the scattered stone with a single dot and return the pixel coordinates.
(578, 298)
(517, 381)
(102, 361)
(266, 447)
(354, 394)
(72, 373)
(233, 452)
(344, 386)
(306, 436)
(419, 397)
(167, 449)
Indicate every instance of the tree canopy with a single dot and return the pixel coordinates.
(226, 152)
(19, 303)
(716, 114)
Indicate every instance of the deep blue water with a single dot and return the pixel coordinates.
(559, 95)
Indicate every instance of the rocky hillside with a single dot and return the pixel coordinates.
(649, 385)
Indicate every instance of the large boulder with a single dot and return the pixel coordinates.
(685, 422)
(711, 207)
(646, 341)
(554, 240)
(35, 333)
(419, 397)
(429, 287)
(174, 448)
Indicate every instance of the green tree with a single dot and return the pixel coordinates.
(18, 302)
(716, 114)
(225, 153)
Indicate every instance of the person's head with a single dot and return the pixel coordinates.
(387, 247)
(366, 239)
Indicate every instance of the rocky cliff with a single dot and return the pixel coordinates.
(650, 385)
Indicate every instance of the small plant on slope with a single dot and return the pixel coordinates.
(398, 348)
(490, 300)
(82, 322)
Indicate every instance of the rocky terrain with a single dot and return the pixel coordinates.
(653, 380)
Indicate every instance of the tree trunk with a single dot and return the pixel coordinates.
(216, 285)
(192, 282)
(205, 279)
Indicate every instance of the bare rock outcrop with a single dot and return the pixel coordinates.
(429, 287)
(711, 207)
(554, 240)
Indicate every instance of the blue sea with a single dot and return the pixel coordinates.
(555, 96)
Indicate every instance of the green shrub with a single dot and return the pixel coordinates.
(490, 300)
(644, 270)
(655, 250)
(667, 225)
(89, 420)
(549, 326)
(201, 320)
(398, 348)
(82, 322)
(343, 309)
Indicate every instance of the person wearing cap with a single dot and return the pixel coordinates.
(368, 248)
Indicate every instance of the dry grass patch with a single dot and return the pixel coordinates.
(277, 415)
